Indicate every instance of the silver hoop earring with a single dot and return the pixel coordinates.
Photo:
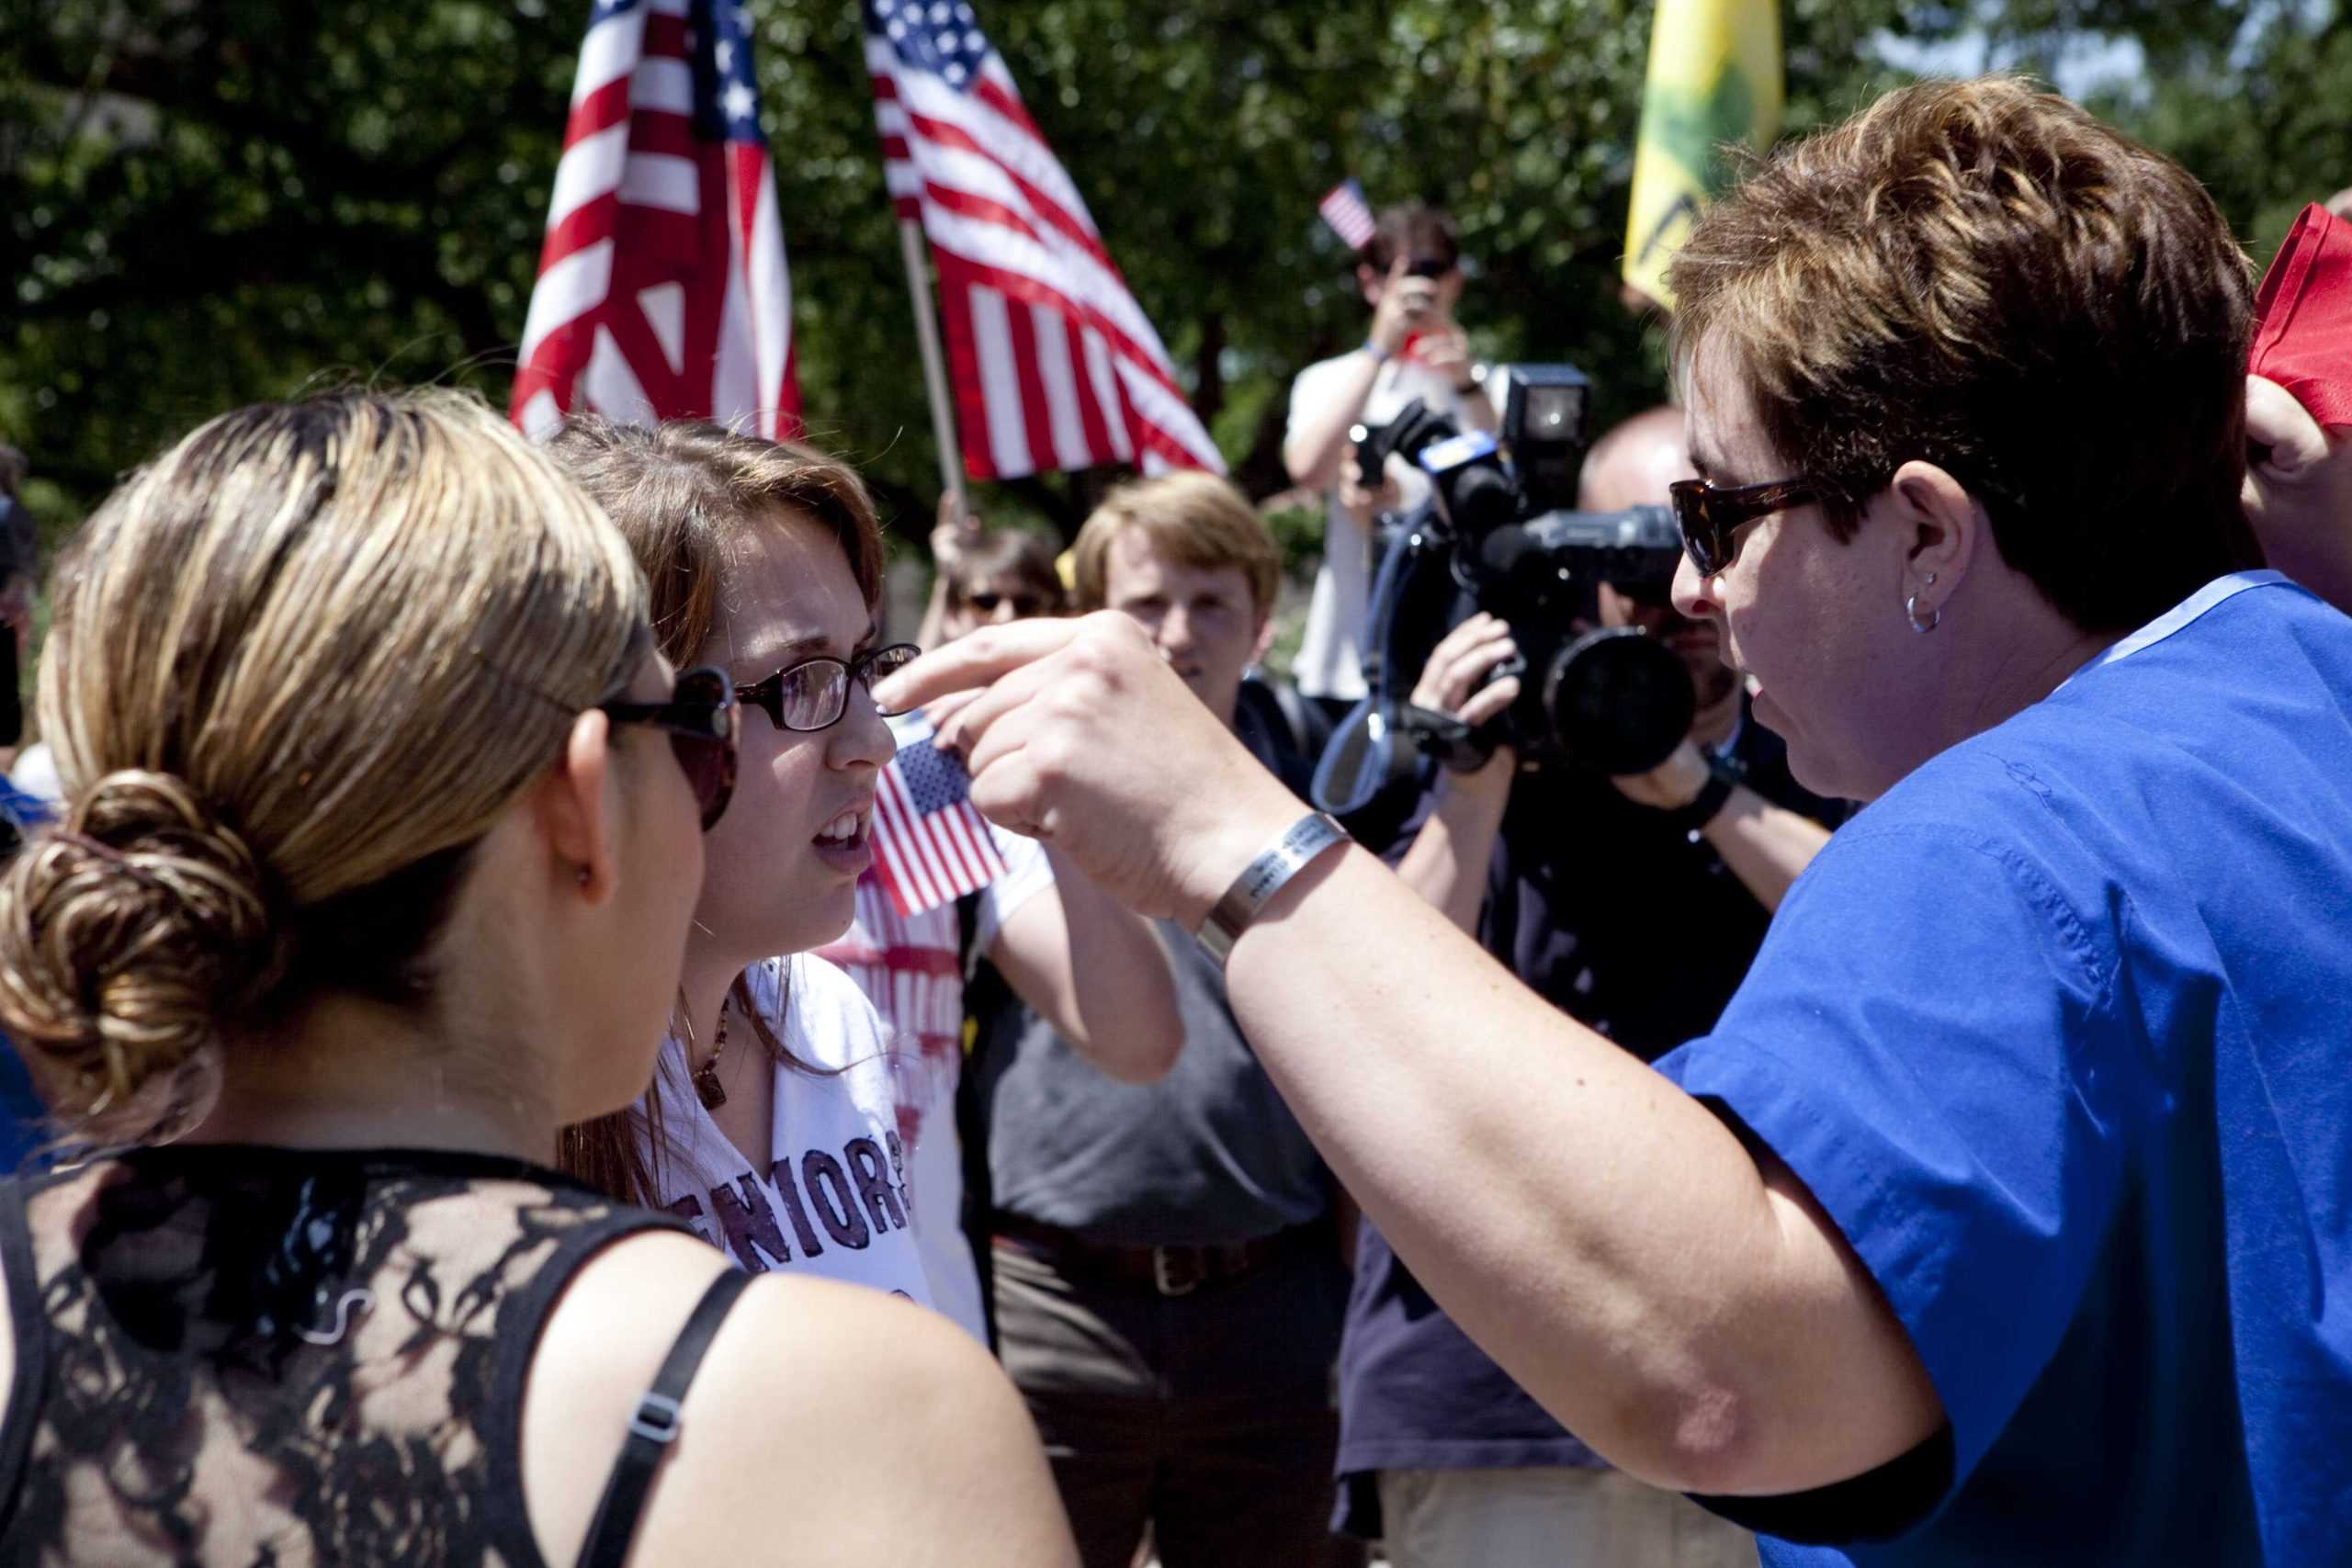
(1911, 614)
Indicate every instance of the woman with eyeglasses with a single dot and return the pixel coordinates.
(774, 1124)
(382, 826)
(790, 1122)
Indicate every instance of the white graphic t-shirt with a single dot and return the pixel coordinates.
(909, 966)
(833, 1199)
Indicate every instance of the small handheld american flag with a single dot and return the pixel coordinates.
(1348, 214)
(930, 843)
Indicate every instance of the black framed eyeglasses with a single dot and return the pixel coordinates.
(703, 724)
(814, 694)
(1709, 514)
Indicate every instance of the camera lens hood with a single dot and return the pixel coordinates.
(1618, 701)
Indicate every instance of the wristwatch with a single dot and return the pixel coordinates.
(1300, 845)
(1691, 817)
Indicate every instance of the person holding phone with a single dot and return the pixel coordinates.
(1410, 274)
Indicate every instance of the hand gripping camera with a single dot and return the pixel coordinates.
(1495, 536)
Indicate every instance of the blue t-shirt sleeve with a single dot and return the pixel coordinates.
(1928, 1040)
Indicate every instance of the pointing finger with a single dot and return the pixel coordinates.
(976, 660)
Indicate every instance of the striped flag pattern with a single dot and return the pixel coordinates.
(1349, 216)
(907, 965)
(1054, 364)
(930, 843)
(662, 290)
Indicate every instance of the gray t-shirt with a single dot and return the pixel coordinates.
(1209, 1154)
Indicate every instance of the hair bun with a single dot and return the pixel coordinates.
(128, 935)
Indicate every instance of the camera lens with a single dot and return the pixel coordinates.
(1619, 701)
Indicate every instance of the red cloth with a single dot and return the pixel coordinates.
(2302, 317)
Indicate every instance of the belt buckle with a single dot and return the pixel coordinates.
(1164, 1273)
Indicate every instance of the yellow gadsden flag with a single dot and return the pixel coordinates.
(1714, 77)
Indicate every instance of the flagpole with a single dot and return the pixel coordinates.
(935, 364)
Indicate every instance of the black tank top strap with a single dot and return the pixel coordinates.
(527, 1312)
(655, 1426)
(29, 1328)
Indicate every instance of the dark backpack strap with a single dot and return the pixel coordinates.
(654, 1427)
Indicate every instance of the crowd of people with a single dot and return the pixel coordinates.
(492, 1095)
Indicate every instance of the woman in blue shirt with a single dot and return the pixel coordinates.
(2003, 1216)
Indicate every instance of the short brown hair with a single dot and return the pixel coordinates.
(1981, 275)
(687, 492)
(1412, 229)
(1192, 517)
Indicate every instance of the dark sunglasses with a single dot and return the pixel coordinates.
(1709, 515)
(1022, 604)
(814, 694)
(702, 722)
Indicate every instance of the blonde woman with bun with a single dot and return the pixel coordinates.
(381, 833)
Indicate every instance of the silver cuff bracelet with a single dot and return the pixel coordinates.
(1301, 842)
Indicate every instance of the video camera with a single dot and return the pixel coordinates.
(1499, 534)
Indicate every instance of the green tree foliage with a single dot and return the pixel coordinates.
(209, 201)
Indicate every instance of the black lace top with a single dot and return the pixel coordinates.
(271, 1358)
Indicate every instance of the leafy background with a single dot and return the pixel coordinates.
(204, 202)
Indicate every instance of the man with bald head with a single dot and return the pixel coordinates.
(1634, 905)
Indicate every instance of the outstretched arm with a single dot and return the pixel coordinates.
(1094, 970)
(1675, 1298)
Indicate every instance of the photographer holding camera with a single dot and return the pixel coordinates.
(1632, 903)
(1411, 276)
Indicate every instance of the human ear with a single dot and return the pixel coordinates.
(1942, 527)
(577, 816)
(1368, 281)
(1264, 640)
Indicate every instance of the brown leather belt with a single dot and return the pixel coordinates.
(1174, 1270)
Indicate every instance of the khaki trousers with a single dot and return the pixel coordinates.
(1556, 1518)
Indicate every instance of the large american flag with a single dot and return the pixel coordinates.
(663, 292)
(1055, 365)
(930, 843)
